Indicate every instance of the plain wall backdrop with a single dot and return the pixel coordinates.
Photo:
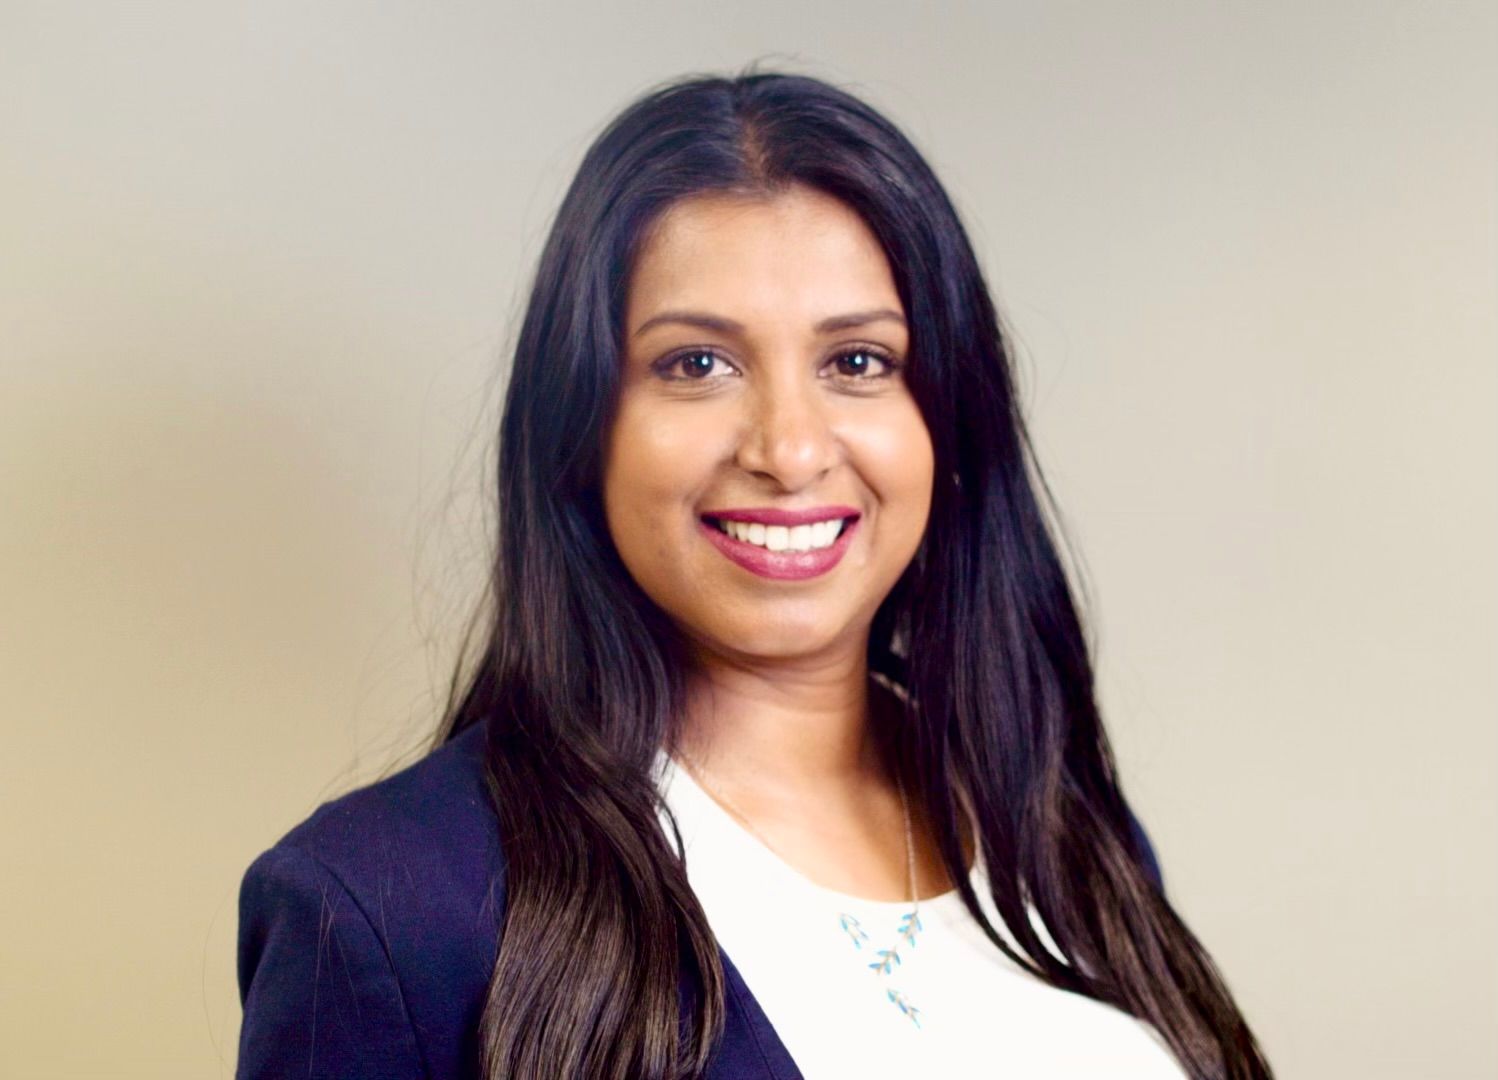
(260, 265)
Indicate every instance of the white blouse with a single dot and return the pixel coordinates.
(968, 1010)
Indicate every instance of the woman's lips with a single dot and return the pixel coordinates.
(781, 565)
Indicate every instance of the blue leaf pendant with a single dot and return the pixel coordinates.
(852, 928)
(888, 959)
(905, 1006)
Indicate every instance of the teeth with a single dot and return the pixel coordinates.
(783, 538)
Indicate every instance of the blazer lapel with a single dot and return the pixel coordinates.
(750, 1049)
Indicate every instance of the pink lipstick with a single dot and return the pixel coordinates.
(782, 565)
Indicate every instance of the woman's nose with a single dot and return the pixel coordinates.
(787, 434)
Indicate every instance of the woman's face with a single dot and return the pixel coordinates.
(764, 342)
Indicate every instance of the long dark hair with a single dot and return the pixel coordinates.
(580, 675)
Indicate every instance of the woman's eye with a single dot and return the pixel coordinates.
(694, 365)
(859, 364)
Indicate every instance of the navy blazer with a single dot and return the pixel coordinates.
(367, 936)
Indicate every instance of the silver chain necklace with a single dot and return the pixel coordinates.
(886, 960)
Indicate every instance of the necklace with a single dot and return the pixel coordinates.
(886, 960)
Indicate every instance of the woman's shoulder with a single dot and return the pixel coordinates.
(437, 806)
(424, 839)
(367, 933)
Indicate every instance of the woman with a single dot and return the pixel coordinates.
(782, 756)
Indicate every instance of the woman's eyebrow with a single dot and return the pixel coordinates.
(830, 325)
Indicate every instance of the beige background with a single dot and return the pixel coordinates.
(259, 264)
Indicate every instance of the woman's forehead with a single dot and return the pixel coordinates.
(800, 254)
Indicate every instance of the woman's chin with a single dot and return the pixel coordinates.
(783, 641)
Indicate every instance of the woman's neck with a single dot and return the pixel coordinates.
(788, 732)
(805, 769)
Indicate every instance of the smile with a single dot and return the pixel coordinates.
(782, 537)
(779, 551)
